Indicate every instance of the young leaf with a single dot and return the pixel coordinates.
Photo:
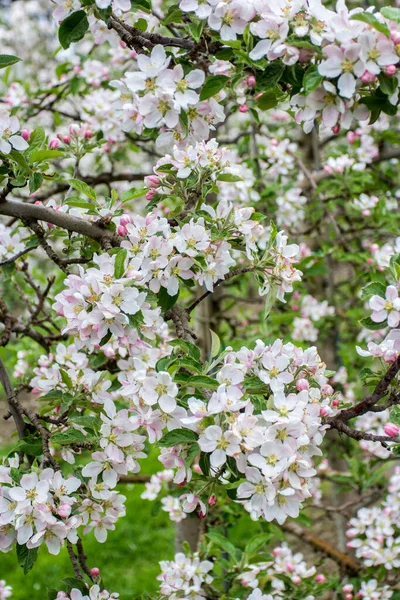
(391, 13)
(367, 17)
(215, 344)
(73, 28)
(119, 265)
(83, 187)
(213, 85)
(177, 436)
(41, 155)
(6, 60)
(26, 558)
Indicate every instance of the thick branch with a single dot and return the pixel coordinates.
(12, 208)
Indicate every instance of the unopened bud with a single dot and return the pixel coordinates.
(66, 139)
(212, 501)
(327, 390)
(26, 134)
(243, 108)
(121, 230)
(150, 194)
(368, 77)
(74, 130)
(95, 572)
(391, 430)
(64, 511)
(390, 70)
(88, 134)
(320, 578)
(351, 137)
(302, 384)
(336, 129)
(54, 144)
(152, 181)
(347, 588)
(251, 81)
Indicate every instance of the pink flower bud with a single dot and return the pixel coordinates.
(62, 595)
(88, 134)
(351, 137)
(327, 390)
(374, 247)
(302, 384)
(320, 578)
(196, 469)
(64, 511)
(95, 572)
(150, 194)
(368, 77)
(276, 552)
(26, 134)
(395, 37)
(390, 70)
(251, 81)
(243, 108)
(151, 181)
(370, 261)
(296, 579)
(66, 139)
(289, 567)
(347, 588)
(201, 515)
(122, 44)
(125, 220)
(336, 129)
(296, 295)
(74, 130)
(335, 402)
(54, 144)
(391, 430)
(349, 596)
(324, 411)
(121, 230)
(212, 501)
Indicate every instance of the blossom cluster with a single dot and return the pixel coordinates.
(94, 593)
(154, 97)
(5, 590)
(311, 311)
(374, 532)
(184, 577)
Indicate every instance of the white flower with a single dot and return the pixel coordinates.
(8, 140)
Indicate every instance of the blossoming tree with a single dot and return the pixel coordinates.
(193, 194)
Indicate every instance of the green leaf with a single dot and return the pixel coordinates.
(395, 415)
(375, 288)
(372, 21)
(72, 582)
(26, 558)
(388, 85)
(312, 79)
(165, 300)
(37, 138)
(213, 85)
(52, 594)
(35, 181)
(176, 437)
(229, 177)
(368, 323)
(202, 381)
(73, 28)
(29, 445)
(257, 542)
(267, 100)
(6, 60)
(71, 436)
(174, 15)
(83, 187)
(224, 543)
(391, 13)
(132, 194)
(79, 203)
(41, 155)
(20, 160)
(215, 344)
(187, 347)
(66, 379)
(119, 265)
(270, 76)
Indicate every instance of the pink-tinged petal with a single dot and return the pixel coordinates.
(347, 85)
(167, 404)
(18, 494)
(393, 318)
(391, 293)
(379, 316)
(377, 303)
(330, 115)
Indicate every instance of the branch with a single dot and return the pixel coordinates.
(139, 478)
(105, 237)
(12, 400)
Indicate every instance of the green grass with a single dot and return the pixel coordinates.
(128, 560)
